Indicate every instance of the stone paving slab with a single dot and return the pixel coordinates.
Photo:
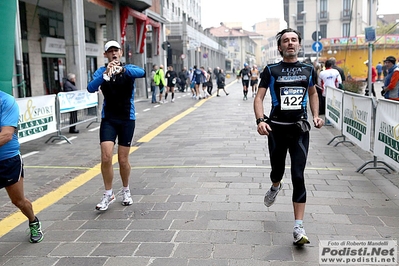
(198, 191)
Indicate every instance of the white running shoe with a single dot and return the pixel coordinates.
(299, 234)
(105, 202)
(173, 100)
(271, 195)
(126, 198)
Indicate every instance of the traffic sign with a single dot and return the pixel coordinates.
(317, 46)
(316, 38)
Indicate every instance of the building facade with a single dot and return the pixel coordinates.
(340, 27)
(59, 37)
(241, 45)
(188, 43)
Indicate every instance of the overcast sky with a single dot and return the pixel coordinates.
(251, 12)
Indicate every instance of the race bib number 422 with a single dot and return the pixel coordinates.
(291, 98)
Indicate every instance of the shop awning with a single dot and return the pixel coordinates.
(141, 22)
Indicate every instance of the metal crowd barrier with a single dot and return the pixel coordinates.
(48, 114)
(371, 124)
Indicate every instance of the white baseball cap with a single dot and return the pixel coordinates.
(111, 44)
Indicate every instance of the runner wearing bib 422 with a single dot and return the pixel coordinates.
(291, 85)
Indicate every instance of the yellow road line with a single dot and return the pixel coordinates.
(158, 130)
(17, 218)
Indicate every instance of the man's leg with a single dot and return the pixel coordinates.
(277, 145)
(124, 171)
(172, 90)
(124, 165)
(197, 90)
(166, 93)
(107, 170)
(16, 194)
(298, 154)
(299, 210)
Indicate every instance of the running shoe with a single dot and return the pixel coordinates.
(271, 195)
(36, 234)
(173, 100)
(126, 198)
(300, 237)
(105, 202)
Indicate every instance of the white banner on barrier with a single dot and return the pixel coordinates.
(37, 117)
(357, 121)
(386, 142)
(334, 106)
(76, 100)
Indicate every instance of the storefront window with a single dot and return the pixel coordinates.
(54, 72)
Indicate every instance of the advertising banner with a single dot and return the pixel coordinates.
(77, 100)
(334, 106)
(37, 117)
(357, 121)
(386, 142)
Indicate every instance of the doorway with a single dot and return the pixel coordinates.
(53, 74)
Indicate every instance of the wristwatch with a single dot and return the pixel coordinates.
(259, 120)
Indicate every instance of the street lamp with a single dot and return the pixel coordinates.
(303, 35)
(317, 31)
(303, 12)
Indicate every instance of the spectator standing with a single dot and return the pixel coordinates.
(69, 85)
(183, 74)
(373, 79)
(11, 165)
(329, 77)
(237, 73)
(379, 71)
(221, 82)
(209, 82)
(340, 70)
(384, 70)
(171, 80)
(191, 82)
(153, 84)
(391, 81)
(198, 79)
(159, 80)
(287, 128)
(215, 72)
(118, 119)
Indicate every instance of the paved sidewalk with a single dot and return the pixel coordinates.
(198, 189)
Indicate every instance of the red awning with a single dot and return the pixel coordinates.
(141, 21)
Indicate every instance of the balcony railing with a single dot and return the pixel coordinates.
(323, 16)
(345, 15)
(299, 19)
